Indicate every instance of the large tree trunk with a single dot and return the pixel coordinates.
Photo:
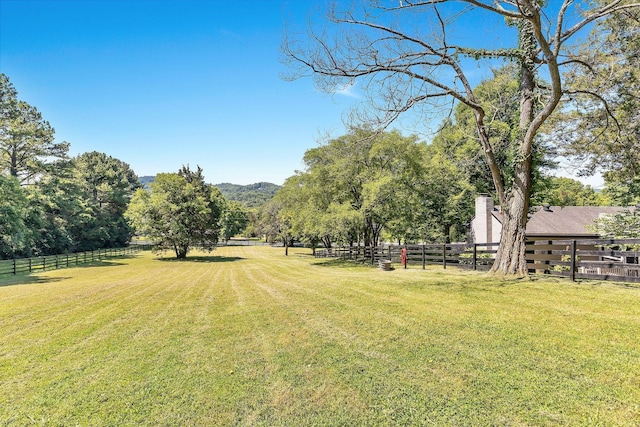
(181, 250)
(511, 255)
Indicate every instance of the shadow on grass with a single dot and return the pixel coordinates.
(96, 263)
(341, 263)
(26, 278)
(203, 259)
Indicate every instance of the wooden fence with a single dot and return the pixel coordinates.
(476, 257)
(616, 260)
(54, 262)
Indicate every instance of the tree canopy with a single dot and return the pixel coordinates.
(106, 185)
(26, 140)
(363, 184)
(404, 67)
(178, 212)
(12, 217)
(61, 205)
(600, 122)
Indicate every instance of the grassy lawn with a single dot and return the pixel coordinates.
(246, 336)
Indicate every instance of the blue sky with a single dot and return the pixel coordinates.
(159, 84)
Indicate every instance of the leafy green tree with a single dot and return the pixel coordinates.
(234, 220)
(622, 193)
(354, 179)
(26, 140)
(563, 191)
(600, 126)
(624, 225)
(58, 214)
(106, 185)
(215, 201)
(312, 215)
(80, 205)
(407, 67)
(13, 212)
(447, 200)
(457, 139)
(179, 212)
(275, 224)
(362, 184)
(252, 228)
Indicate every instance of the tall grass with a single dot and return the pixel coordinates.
(247, 336)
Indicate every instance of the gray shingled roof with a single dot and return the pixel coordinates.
(568, 220)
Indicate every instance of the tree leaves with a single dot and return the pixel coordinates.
(26, 140)
(179, 212)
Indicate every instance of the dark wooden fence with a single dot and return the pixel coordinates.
(476, 257)
(616, 260)
(598, 259)
(54, 262)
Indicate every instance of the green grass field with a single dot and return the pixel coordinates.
(247, 336)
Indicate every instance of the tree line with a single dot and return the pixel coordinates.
(418, 57)
(51, 203)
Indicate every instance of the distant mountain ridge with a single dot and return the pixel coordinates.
(251, 195)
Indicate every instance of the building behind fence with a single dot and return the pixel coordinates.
(599, 259)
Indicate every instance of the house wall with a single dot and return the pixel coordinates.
(484, 226)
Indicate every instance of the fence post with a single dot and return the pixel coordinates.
(57, 263)
(44, 263)
(424, 256)
(444, 256)
(573, 260)
(30, 269)
(475, 256)
(372, 254)
(14, 267)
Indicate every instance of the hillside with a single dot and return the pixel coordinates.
(145, 180)
(252, 195)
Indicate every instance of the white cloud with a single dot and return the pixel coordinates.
(347, 90)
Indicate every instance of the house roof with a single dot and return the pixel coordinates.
(568, 220)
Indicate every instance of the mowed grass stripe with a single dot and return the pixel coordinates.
(105, 328)
(247, 336)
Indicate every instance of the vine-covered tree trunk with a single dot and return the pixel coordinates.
(511, 255)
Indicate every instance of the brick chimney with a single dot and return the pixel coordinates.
(482, 223)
